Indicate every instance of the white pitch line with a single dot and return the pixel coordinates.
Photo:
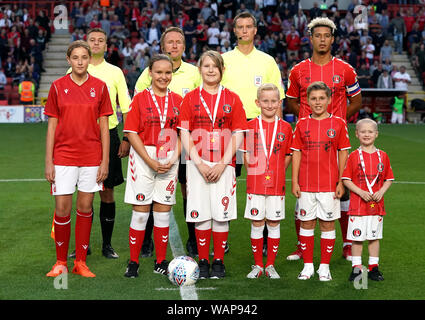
(174, 289)
(176, 244)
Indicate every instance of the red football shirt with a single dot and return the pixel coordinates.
(257, 168)
(338, 75)
(230, 118)
(77, 107)
(319, 142)
(144, 119)
(353, 171)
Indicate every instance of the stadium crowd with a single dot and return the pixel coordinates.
(135, 27)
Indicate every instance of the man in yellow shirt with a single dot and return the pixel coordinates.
(247, 68)
(117, 87)
(185, 78)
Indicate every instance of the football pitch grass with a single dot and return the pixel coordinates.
(27, 252)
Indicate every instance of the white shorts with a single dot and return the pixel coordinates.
(322, 205)
(206, 201)
(396, 117)
(260, 206)
(144, 185)
(361, 228)
(67, 177)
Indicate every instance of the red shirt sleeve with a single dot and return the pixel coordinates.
(348, 170)
(289, 137)
(105, 108)
(388, 170)
(239, 122)
(344, 139)
(51, 108)
(132, 123)
(293, 85)
(296, 141)
(185, 113)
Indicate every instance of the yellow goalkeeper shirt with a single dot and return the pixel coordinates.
(185, 79)
(245, 73)
(117, 86)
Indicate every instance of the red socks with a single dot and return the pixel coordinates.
(219, 240)
(82, 234)
(160, 238)
(62, 235)
(306, 239)
(257, 251)
(203, 238)
(135, 240)
(327, 243)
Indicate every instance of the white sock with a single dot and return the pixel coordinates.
(373, 260)
(139, 220)
(161, 219)
(257, 232)
(356, 261)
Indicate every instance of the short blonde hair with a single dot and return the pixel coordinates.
(321, 22)
(366, 120)
(77, 44)
(215, 57)
(267, 87)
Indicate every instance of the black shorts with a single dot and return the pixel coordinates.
(115, 176)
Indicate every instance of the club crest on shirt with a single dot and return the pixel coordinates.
(280, 136)
(176, 111)
(380, 167)
(303, 213)
(227, 108)
(331, 133)
(336, 79)
(92, 93)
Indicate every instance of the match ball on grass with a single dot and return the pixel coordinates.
(183, 271)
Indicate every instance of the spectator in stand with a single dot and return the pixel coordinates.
(293, 7)
(201, 30)
(315, 11)
(154, 32)
(131, 78)
(128, 55)
(384, 21)
(385, 81)
(14, 37)
(300, 21)
(105, 24)
(181, 19)
(224, 35)
(77, 15)
(294, 42)
(189, 30)
(41, 39)
(95, 23)
(376, 74)
(363, 76)
(409, 19)
(369, 48)
(116, 24)
(387, 65)
(414, 39)
(275, 25)
(10, 67)
(364, 60)
(354, 37)
(398, 27)
(402, 79)
(3, 80)
(386, 51)
(213, 34)
(419, 59)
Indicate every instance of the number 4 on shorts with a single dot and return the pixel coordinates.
(170, 187)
